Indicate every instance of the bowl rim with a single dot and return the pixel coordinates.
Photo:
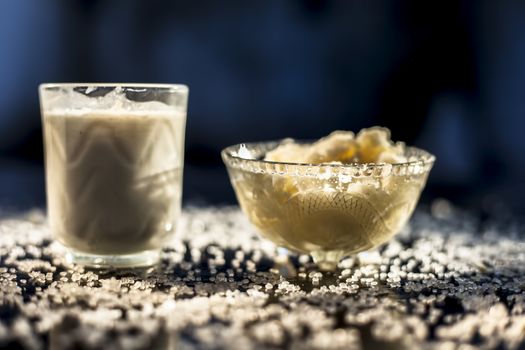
(230, 153)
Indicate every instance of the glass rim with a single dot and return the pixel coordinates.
(174, 87)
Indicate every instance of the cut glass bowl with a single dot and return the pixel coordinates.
(326, 210)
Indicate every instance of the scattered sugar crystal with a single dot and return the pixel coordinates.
(439, 278)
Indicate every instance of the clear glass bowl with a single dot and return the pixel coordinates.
(328, 211)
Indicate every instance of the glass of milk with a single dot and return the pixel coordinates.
(114, 161)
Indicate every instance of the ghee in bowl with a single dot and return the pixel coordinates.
(337, 196)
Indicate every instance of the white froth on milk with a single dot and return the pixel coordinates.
(115, 102)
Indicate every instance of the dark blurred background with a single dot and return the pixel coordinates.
(447, 76)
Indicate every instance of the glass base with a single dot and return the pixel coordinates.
(141, 259)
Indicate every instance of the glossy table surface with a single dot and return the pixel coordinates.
(442, 283)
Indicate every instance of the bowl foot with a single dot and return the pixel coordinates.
(327, 260)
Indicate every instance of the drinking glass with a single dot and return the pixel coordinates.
(114, 161)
